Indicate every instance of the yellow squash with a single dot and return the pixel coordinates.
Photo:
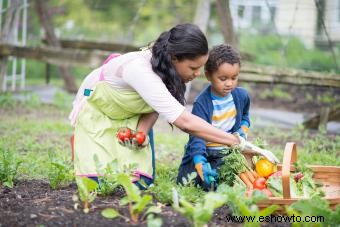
(264, 167)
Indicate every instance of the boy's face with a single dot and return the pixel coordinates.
(224, 79)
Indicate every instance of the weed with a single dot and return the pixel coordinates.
(7, 100)
(60, 173)
(9, 163)
(107, 177)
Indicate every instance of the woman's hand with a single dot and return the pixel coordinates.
(131, 139)
(249, 148)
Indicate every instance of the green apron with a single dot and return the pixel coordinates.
(105, 111)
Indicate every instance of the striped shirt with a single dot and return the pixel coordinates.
(224, 113)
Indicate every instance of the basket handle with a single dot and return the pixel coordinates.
(289, 157)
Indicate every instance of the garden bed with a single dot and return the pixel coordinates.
(34, 131)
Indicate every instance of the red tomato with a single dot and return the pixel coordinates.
(267, 192)
(260, 183)
(139, 137)
(124, 134)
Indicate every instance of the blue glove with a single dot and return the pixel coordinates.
(204, 170)
(242, 134)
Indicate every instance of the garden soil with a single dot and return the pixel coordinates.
(34, 203)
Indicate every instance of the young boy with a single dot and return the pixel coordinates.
(222, 104)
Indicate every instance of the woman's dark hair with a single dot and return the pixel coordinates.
(184, 41)
(220, 54)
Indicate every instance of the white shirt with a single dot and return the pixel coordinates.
(133, 72)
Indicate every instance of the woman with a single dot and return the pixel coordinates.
(130, 91)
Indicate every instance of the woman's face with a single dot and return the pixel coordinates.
(189, 69)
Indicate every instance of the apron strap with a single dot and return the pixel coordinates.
(112, 56)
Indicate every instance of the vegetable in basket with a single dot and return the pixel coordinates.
(301, 184)
(236, 166)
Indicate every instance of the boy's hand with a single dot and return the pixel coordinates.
(241, 133)
(204, 170)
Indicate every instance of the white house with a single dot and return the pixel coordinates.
(301, 18)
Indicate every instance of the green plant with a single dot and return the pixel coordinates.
(200, 213)
(136, 203)
(107, 177)
(87, 189)
(9, 163)
(315, 207)
(276, 93)
(7, 100)
(31, 99)
(286, 52)
(327, 98)
(245, 206)
(63, 100)
(281, 94)
(60, 172)
(166, 178)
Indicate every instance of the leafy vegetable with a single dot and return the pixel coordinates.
(234, 164)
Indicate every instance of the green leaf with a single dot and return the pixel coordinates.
(85, 187)
(131, 189)
(268, 210)
(124, 201)
(153, 221)
(8, 184)
(213, 200)
(201, 216)
(141, 204)
(154, 210)
(110, 213)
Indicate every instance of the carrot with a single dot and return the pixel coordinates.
(254, 174)
(245, 179)
(250, 176)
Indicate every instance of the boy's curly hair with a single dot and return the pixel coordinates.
(220, 54)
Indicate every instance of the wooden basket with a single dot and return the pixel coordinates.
(328, 176)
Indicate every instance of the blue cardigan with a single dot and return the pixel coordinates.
(203, 108)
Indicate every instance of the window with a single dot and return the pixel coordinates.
(240, 11)
(256, 14)
(272, 11)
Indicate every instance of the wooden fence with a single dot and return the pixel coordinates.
(90, 57)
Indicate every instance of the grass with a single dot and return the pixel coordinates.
(35, 132)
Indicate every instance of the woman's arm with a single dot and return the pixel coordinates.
(146, 122)
(196, 126)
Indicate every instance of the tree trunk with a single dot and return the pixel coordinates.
(46, 22)
(202, 16)
(12, 16)
(226, 22)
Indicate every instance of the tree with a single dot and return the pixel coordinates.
(51, 38)
(201, 19)
(226, 22)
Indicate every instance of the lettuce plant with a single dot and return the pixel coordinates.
(200, 213)
(87, 191)
(135, 201)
